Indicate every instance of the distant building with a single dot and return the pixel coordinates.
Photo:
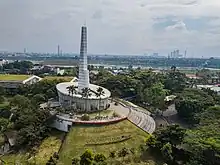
(215, 88)
(2, 62)
(155, 54)
(193, 76)
(59, 71)
(14, 84)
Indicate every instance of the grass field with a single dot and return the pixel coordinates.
(66, 78)
(20, 159)
(9, 77)
(48, 147)
(79, 136)
(45, 150)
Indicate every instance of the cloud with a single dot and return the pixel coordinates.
(179, 26)
(121, 27)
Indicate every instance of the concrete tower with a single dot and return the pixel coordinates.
(83, 81)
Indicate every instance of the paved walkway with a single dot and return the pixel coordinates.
(137, 116)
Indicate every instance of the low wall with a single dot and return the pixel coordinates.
(100, 122)
(96, 122)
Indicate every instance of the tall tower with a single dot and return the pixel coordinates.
(83, 70)
(58, 50)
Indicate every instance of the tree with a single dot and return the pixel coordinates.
(75, 161)
(30, 121)
(202, 141)
(18, 104)
(191, 102)
(38, 99)
(2, 91)
(86, 158)
(123, 152)
(85, 94)
(151, 141)
(85, 117)
(155, 96)
(99, 92)
(4, 123)
(175, 81)
(99, 158)
(167, 152)
(173, 68)
(72, 90)
(51, 161)
(112, 154)
(2, 99)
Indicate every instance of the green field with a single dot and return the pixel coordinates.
(66, 78)
(43, 153)
(10, 77)
(80, 136)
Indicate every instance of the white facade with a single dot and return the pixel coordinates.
(79, 103)
(83, 70)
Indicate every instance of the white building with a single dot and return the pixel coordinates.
(13, 84)
(2, 62)
(215, 88)
(76, 99)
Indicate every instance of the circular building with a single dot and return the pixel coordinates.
(89, 100)
(80, 94)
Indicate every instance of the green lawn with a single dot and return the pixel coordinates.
(9, 77)
(20, 159)
(45, 150)
(48, 147)
(80, 136)
(66, 78)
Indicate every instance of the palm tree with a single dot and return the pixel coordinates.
(85, 94)
(99, 93)
(173, 68)
(72, 90)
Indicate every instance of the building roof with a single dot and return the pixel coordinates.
(28, 79)
(62, 87)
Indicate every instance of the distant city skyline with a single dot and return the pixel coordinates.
(134, 27)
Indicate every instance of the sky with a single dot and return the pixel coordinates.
(114, 26)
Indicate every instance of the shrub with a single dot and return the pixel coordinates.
(85, 118)
(112, 154)
(115, 115)
(75, 161)
(86, 158)
(99, 158)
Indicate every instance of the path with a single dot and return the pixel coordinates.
(137, 116)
